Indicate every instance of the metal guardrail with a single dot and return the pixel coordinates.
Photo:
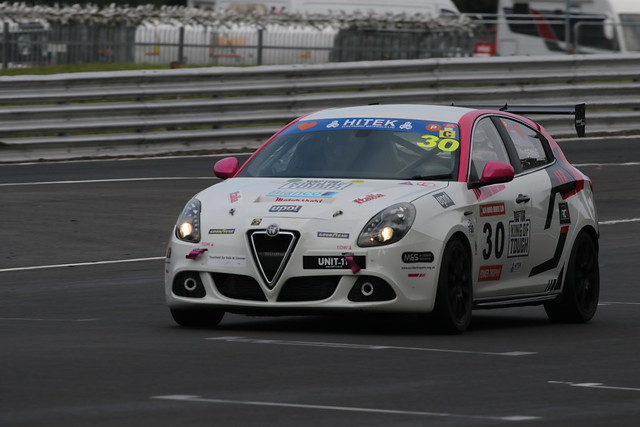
(215, 109)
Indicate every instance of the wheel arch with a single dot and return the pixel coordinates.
(591, 231)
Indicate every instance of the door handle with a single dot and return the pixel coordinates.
(522, 198)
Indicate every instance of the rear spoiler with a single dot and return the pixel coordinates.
(578, 111)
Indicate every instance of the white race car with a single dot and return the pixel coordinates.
(391, 208)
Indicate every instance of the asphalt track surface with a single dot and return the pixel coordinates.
(87, 340)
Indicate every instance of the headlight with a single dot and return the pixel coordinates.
(388, 226)
(188, 226)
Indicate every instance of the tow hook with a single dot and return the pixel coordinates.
(352, 263)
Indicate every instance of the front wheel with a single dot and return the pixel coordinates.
(454, 296)
(579, 300)
(197, 317)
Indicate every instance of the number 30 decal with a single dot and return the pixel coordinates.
(444, 144)
(493, 243)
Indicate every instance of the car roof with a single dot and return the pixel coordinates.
(394, 111)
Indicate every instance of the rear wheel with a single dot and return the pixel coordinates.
(454, 297)
(197, 317)
(579, 300)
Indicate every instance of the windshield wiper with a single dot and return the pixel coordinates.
(431, 177)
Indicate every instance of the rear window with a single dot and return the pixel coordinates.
(529, 144)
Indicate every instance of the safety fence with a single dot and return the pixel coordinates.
(41, 43)
(227, 108)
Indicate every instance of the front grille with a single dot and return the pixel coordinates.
(271, 253)
(238, 287)
(313, 288)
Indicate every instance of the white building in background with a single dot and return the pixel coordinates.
(433, 8)
(538, 27)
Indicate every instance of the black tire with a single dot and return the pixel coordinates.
(454, 297)
(579, 300)
(197, 317)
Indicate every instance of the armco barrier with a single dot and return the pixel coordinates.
(222, 108)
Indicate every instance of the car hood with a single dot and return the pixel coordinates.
(310, 198)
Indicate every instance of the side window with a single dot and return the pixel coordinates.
(486, 145)
(528, 144)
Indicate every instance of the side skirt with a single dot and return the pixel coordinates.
(515, 300)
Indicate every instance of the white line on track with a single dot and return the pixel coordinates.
(80, 264)
(94, 181)
(579, 165)
(618, 221)
(618, 302)
(36, 319)
(363, 347)
(187, 398)
(594, 385)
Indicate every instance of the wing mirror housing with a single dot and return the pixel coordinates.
(494, 172)
(226, 168)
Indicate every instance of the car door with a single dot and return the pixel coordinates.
(500, 210)
(547, 213)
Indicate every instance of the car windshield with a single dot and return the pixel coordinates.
(631, 30)
(371, 148)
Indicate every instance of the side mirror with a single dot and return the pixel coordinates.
(226, 168)
(496, 172)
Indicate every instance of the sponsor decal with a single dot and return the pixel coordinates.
(316, 184)
(307, 125)
(416, 275)
(489, 273)
(285, 208)
(283, 199)
(337, 262)
(344, 247)
(368, 198)
(222, 230)
(519, 235)
(448, 133)
(207, 244)
(303, 194)
(565, 216)
(471, 227)
(444, 199)
(332, 235)
(256, 221)
(234, 197)
(406, 126)
(516, 267)
(410, 257)
(227, 260)
(420, 183)
(364, 123)
(492, 209)
(369, 123)
(414, 268)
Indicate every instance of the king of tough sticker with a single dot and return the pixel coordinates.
(519, 235)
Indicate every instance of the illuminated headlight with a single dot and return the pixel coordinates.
(188, 226)
(388, 226)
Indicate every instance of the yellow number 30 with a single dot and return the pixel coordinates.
(445, 144)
